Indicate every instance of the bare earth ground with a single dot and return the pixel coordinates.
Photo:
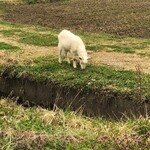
(122, 61)
(28, 52)
(121, 17)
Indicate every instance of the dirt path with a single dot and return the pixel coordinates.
(28, 52)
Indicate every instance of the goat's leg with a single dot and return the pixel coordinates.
(67, 56)
(59, 54)
(74, 62)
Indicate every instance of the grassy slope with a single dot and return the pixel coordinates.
(6, 46)
(36, 128)
(93, 77)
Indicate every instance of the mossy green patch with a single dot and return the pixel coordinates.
(144, 54)
(46, 30)
(5, 46)
(5, 22)
(13, 25)
(11, 32)
(39, 39)
(95, 47)
(32, 38)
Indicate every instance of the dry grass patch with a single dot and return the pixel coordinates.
(36, 128)
(26, 54)
(121, 61)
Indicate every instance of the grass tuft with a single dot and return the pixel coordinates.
(5, 46)
(39, 39)
(144, 54)
(12, 32)
(32, 38)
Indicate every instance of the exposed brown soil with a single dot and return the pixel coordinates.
(123, 17)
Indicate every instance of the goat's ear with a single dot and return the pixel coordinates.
(80, 58)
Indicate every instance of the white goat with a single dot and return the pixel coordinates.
(70, 43)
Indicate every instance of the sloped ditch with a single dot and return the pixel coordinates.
(93, 103)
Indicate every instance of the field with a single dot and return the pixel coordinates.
(124, 17)
(116, 82)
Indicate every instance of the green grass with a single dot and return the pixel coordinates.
(5, 22)
(144, 54)
(95, 47)
(94, 77)
(46, 29)
(12, 32)
(13, 25)
(111, 48)
(116, 48)
(94, 42)
(32, 38)
(38, 128)
(40, 1)
(99, 42)
(39, 39)
(5, 46)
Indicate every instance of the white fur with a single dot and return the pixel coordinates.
(73, 44)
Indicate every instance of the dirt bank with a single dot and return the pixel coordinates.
(93, 103)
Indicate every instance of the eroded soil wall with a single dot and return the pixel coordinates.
(93, 103)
